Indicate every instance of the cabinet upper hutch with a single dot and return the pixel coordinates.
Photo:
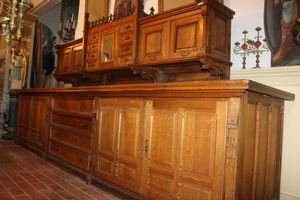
(188, 43)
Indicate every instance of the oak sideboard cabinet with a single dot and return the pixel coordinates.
(187, 140)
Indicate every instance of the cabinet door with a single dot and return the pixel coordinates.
(187, 37)
(108, 48)
(65, 61)
(119, 142)
(77, 58)
(23, 122)
(154, 42)
(186, 150)
(38, 121)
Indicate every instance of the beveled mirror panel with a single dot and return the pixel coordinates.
(107, 49)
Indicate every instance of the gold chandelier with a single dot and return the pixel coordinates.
(11, 14)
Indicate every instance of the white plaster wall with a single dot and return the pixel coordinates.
(248, 16)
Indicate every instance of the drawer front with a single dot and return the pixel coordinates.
(93, 35)
(126, 26)
(85, 124)
(78, 140)
(93, 46)
(91, 65)
(125, 60)
(92, 55)
(126, 50)
(126, 38)
(74, 105)
(76, 158)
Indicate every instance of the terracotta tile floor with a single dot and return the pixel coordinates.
(24, 175)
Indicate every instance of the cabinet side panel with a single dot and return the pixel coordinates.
(246, 146)
(262, 152)
(273, 151)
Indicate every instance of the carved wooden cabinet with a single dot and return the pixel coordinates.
(32, 122)
(70, 61)
(187, 140)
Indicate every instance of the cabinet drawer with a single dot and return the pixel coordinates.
(126, 26)
(92, 55)
(75, 139)
(125, 60)
(74, 105)
(76, 158)
(93, 46)
(93, 35)
(126, 38)
(76, 122)
(126, 50)
(90, 65)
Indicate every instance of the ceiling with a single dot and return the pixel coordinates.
(42, 6)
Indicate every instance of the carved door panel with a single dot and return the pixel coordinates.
(154, 42)
(65, 61)
(38, 121)
(23, 122)
(77, 58)
(186, 150)
(119, 142)
(187, 37)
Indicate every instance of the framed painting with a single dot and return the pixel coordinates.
(279, 21)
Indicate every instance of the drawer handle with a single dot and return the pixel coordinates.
(92, 65)
(94, 36)
(92, 56)
(185, 53)
(81, 141)
(59, 103)
(83, 106)
(128, 26)
(58, 119)
(93, 46)
(127, 38)
(56, 149)
(127, 49)
(152, 58)
(82, 124)
(79, 159)
(126, 60)
(57, 134)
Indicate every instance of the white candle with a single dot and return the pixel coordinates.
(74, 24)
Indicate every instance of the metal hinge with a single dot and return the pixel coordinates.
(224, 196)
(146, 146)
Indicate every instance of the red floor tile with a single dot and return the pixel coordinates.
(24, 176)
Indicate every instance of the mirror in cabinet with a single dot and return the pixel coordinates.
(107, 48)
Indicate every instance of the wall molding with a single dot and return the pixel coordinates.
(283, 76)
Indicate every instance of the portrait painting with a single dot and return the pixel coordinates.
(279, 22)
(122, 5)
